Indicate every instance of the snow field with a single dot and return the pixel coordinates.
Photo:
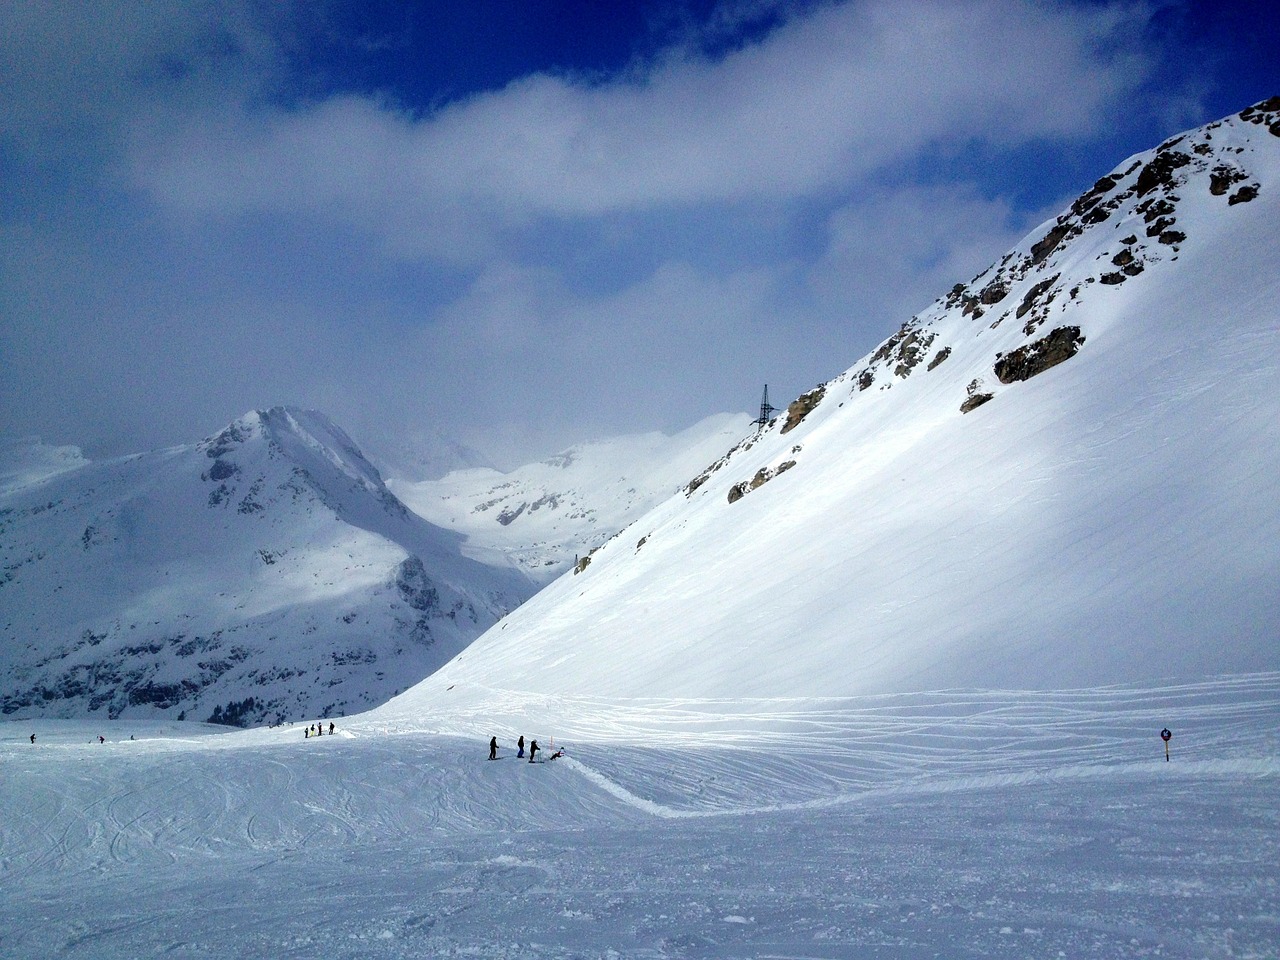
(953, 824)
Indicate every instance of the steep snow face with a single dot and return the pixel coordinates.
(261, 574)
(545, 515)
(1062, 473)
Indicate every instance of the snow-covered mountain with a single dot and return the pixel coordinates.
(543, 516)
(419, 453)
(261, 574)
(1065, 472)
(27, 460)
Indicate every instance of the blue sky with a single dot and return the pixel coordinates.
(526, 224)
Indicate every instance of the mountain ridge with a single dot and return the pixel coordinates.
(1061, 473)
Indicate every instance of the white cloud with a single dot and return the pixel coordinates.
(890, 253)
(560, 258)
(815, 105)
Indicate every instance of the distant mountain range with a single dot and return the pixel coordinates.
(262, 574)
(546, 515)
(267, 573)
(1065, 472)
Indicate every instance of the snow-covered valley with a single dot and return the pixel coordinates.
(953, 824)
(543, 516)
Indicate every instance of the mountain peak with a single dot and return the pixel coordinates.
(262, 573)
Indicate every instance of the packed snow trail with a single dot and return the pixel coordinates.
(960, 824)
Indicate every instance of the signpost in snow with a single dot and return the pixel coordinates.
(1166, 736)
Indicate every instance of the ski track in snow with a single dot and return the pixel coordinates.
(957, 824)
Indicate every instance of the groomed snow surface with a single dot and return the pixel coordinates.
(951, 824)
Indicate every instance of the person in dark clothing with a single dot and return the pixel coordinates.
(493, 748)
(33, 738)
(331, 728)
(520, 745)
(533, 749)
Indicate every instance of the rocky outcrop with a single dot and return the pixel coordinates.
(1035, 358)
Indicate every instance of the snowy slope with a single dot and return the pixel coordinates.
(263, 573)
(417, 452)
(984, 825)
(27, 460)
(1113, 517)
(544, 515)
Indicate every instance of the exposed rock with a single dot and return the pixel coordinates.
(911, 351)
(1244, 194)
(1035, 358)
(976, 397)
(1159, 172)
(1264, 113)
(221, 470)
(1050, 242)
(1223, 178)
(1033, 295)
(1155, 207)
(939, 357)
(508, 515)
(802, 406)
(762, 476)
(415, 586)
(993, 292)
(1090, 198)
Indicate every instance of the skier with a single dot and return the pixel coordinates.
(520, 745)
(102, 739)
(306, 734)
(533, 749)
(493, 748)
(331, 728)
(557, 755)
(33, 738)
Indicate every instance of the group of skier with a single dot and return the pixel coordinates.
(317, 730)
(533, 750)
